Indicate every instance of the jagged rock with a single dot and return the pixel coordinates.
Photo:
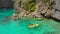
(49, 13)
(15, 16)
(6, 3)
(21, 13)
(57, 10)
(56, 15)
(35, 14)
(57, 6)
(41, 8)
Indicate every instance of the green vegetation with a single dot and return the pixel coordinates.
(30, 6)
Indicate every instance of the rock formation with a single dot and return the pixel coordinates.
(6, 3)
(56, 15)
(42, 9)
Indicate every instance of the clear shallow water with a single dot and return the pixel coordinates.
(10, 26)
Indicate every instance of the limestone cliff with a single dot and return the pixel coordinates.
(34, 8)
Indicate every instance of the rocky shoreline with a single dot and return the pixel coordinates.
(41, 11)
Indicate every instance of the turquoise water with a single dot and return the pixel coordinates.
(9, 26)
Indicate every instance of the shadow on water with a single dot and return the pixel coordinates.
(55, 19)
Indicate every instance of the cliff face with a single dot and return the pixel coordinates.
(57, 10)
(41, 9)
(6, 3)
(57, 6)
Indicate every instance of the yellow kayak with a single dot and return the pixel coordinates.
(33, 25)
